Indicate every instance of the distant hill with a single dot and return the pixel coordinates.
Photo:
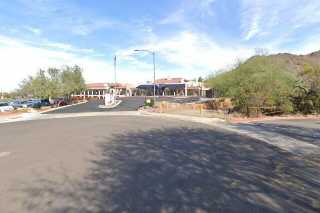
(292, 63)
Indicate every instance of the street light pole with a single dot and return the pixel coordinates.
(154, 76)
(115, 73)
(154, 70)
(115, 69)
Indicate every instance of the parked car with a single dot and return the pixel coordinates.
(16, 104)
(45, 102)
(5, 107)
(60, 102)
(26, 104)
(34, 103)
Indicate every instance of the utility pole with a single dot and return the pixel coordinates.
(154, 77)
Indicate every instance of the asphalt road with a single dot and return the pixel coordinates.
(146, 164)
(128, 104)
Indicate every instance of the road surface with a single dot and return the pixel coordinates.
(146, 164)
(128, 104)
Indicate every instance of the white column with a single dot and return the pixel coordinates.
(185, 90)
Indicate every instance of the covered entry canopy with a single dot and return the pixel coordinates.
(172, 86)
(147, 86)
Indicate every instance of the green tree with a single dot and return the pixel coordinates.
(256, 83)
(36, 86)
(53, 83)
(72, 80)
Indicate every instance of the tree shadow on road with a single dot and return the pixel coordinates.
(183, 170)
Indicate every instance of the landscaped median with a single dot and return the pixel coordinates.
(194, 112)
(7, 115)
(18, 115)
(218, 109)
(204, 109)
(22, 114)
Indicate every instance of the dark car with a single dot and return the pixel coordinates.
(45, 102)
(60, 102)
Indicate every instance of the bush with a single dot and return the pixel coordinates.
(149, 102)
(257, 83)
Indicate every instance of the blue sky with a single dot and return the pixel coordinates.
(192, 38)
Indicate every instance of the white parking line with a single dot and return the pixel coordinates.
(4, 154)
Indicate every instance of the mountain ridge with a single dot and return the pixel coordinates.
(291, 62)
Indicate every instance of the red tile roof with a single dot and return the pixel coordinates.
(108, 85)
(171, 81)
(97, 86)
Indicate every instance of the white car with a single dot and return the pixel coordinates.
(5, 107)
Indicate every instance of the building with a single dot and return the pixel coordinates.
(173, 87)
(98, 90)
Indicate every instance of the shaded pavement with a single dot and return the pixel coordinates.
(168, 166)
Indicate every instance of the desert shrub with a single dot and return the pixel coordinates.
(149, 102)
(257, 83)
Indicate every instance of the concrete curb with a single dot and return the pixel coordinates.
(54, 109)
(88, 114)
(71, 115)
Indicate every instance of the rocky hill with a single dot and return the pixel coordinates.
(292, 63)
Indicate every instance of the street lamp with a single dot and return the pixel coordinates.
(115, 69)
(115, 74)
(154, 71)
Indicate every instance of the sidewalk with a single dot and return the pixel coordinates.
(273, 118)
(26, 116)
(289, 144)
